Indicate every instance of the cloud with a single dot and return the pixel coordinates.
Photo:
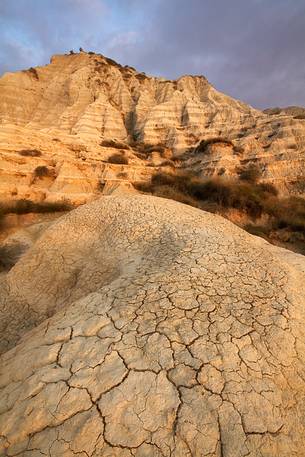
(46, 27)
(253, 50)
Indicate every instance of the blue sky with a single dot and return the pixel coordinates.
(253, 50)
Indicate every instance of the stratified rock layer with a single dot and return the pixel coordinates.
(171, 333)
(66, 108)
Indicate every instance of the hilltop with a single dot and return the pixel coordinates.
(133, 325)
(80, 109)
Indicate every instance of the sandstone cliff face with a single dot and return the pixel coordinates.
(89, 97)
(66, 108)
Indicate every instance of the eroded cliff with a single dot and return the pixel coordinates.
(70, 108)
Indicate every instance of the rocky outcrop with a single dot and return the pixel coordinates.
(91, 97)
(298, 112)
(157, 330)
(77, 170)
(66, 109)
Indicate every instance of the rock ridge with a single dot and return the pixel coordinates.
(68, 108)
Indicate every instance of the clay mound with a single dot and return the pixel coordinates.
(174, 333)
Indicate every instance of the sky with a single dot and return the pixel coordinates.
(253, 50)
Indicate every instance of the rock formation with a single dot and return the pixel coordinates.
(143, 327)
(66, 109)
(136, 326)
(298, 112)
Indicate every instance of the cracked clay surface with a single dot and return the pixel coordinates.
(140, 327)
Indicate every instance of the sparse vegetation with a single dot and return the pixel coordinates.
(24, 206)
(251, 198)
(288, 213)
(251, 173)
(30, 153)
(141, 76)
(167, 163)
(123, 175)
(118, 159)
(269, 188)
(143, 150)
(238, 150)
(100, 186)
(33, 72)
(43, 172)
(299, 116)
(113, 62)
(202, 146)
(299, 184)
(113, 144)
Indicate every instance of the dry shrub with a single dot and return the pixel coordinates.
(167, 163)
(220, 194)
(30, 153)
(112, 62)
(288, 213)
(33, 72)
(123, 175)
(146, 148)
(167, 191)
(252, 173)
(118, 159)
(113, 144)
(100, 186)
(24, 206)
(43, 172)
(202, 146)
